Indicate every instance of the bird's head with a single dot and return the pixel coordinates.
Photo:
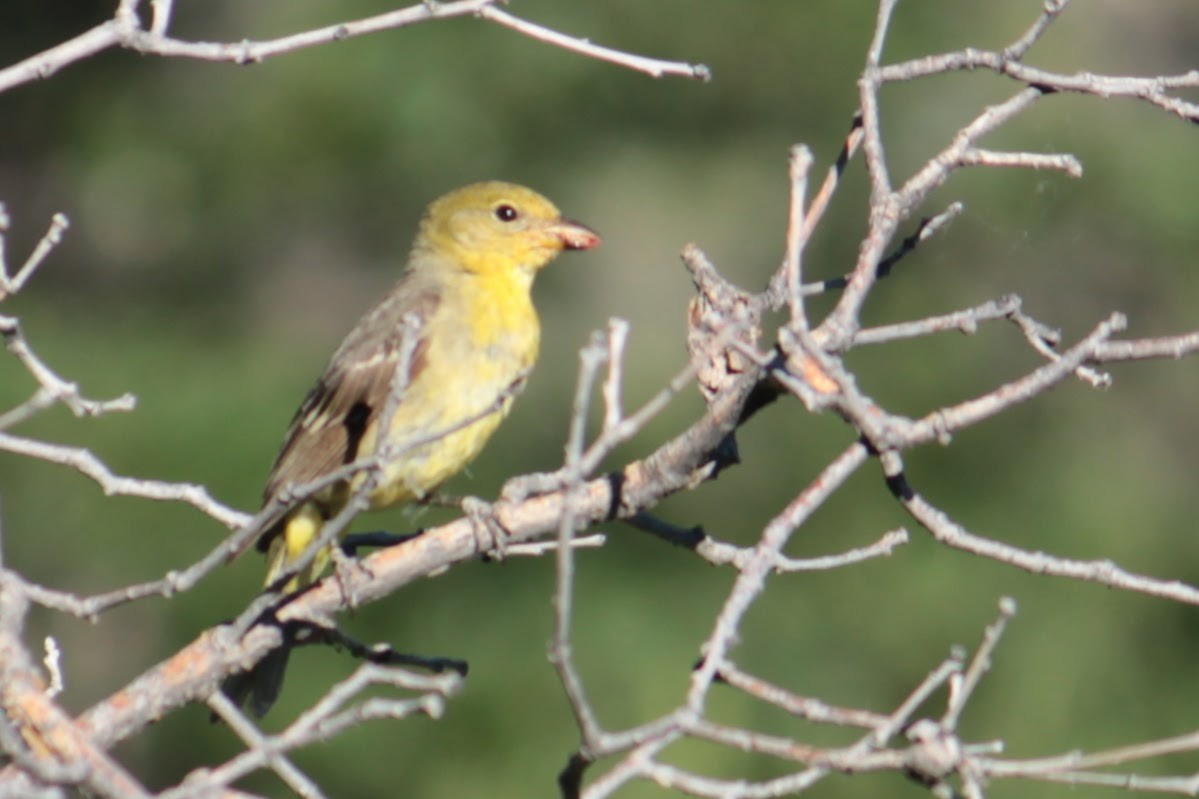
(495, 227)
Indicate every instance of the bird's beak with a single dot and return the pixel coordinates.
(574, 235)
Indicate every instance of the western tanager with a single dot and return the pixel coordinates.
(466, 286)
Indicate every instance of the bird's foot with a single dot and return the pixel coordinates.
(491, 536)
(345, 569)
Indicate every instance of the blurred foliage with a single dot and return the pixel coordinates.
(230, 223)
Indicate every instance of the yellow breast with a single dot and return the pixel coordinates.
(482, 342)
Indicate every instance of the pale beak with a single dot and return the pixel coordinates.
(574, 235)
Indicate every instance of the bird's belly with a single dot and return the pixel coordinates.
(444, 420)
(419, 469)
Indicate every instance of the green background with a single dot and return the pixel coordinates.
(231, 223)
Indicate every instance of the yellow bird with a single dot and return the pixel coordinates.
(467, 286)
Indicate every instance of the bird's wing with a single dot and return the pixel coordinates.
(345, 403)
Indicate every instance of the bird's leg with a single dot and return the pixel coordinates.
(344, 566)
(490, 534)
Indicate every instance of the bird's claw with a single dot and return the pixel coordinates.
(344, 568)
(491, 536)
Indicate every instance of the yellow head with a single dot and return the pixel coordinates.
(497, 228)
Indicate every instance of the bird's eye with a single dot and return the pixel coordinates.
(505, 213)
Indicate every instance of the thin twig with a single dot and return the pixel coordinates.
(125, 30)
(591, 359)
(112, 484)
(52, 238)
(952, 534)
(651, 66)
(979, 665)
(801, 164)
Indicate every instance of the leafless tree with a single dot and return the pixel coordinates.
(739, 363)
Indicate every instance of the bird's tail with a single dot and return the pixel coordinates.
(259, 687)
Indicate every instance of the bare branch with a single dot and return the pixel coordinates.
(801, 163)
(10, 285)
(1062, 162)
(125, 31)
(268, 755)
(53, 389)
(591, 359)
(112, 484)
(51, 747)
(651, 66)
(618, 336)
(1153, 90)
(776, 294)
(966, 321)
(325, 719)
(1145, 348)
(752, 579)
(741, 558)
(1049, 13)
(800, 706)
(888, 432)
(48, 751)
(928, 227)
(945, 530)
(962, 689)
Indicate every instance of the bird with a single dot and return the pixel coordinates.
(461, 324)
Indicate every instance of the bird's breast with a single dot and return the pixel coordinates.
(481, 346)
(501, 330)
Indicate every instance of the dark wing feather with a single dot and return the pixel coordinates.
(327, 430)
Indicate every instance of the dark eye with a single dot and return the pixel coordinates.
(505, 213)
